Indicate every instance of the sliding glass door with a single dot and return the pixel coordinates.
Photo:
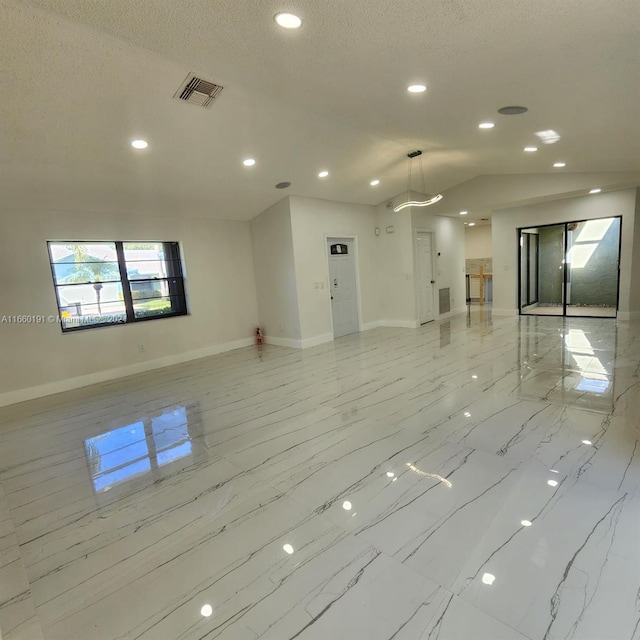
(570, 269)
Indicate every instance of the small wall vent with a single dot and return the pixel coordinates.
(444, 299)
(198, 91)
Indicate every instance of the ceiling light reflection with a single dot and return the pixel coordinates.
(526, 523)
(433, 476)
(347, 506)
(488, 578)
(390, 474)
(206, 610)
(552, 483)
(288, 549)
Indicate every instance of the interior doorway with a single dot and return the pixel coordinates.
(343, 286)
(570, 269)
(426, 282)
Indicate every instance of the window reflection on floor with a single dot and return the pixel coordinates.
(568, 363)
(135, 449)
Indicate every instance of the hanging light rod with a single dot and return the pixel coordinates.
(416, 203)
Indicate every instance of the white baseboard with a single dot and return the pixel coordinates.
(50, 388)
(293, 343)
(316, 340)
(400, 324)
(504, 312)
(371, 325)
(628, 316)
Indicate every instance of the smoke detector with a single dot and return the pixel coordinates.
(197, 91)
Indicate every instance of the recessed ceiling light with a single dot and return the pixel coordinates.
(288, 20)
(416, 88)
(390, 474)
(526, 523)
(139, 144)
(472, 224)
(374, 183)
(347, 506)
(475, 377)
(206, 610)
(486, 125)
(288, 548)
(531, 149)
(249, 162)
(467, 414)
(559, 165)
(595, 191)
(464, 213)
(323, 174)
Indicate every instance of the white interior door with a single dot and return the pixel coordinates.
(342, 285)
(426, 281)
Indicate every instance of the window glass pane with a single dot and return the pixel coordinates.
(157, 306)
(145, 260)
(84, 261)
(89, 304)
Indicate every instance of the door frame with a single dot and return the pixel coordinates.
(434, 270)
(356, 264)
(565, 271)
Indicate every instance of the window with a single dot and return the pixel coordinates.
(104, 283)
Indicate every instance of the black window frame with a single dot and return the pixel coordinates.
(174, 279)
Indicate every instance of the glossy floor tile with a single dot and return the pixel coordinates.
(469, 480)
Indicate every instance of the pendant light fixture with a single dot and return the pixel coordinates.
(416, 203)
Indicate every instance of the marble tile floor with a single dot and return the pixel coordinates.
(474, 479)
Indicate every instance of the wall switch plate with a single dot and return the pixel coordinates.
(377, 231)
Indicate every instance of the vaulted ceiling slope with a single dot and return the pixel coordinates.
(81, 79)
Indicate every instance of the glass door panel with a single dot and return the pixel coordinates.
(542, 255)
(593, 249)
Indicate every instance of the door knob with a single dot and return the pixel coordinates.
(433, 282)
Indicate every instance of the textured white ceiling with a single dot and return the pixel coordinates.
(81, 79)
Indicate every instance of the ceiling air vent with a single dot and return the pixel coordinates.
(198, 91)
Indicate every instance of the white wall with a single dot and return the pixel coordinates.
(396, 267)
(312, 221)
(505, 242)
(478, 241)
(450, 245)
(40, 359)
(275, 275)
